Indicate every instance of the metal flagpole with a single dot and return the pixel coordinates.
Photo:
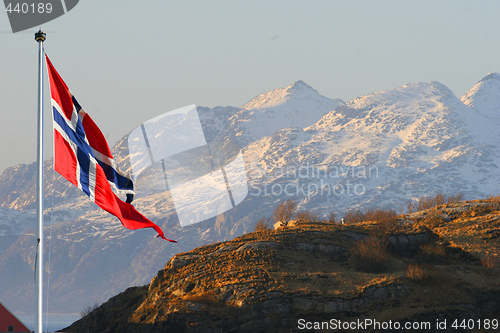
(40, 38)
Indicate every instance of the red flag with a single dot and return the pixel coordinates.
(82, 156)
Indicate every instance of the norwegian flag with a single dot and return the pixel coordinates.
(82, 156)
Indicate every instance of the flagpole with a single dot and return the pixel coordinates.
(40, 38)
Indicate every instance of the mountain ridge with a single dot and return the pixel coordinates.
(278, 96)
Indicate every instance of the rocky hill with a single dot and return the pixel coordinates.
(423, 268)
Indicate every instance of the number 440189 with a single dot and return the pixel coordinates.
(25, 8)
(486, 324)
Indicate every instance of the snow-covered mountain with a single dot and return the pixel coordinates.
(377, 150)
(390, 146)
(484, 96)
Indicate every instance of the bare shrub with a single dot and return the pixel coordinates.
(353, 216)
(433, 219)
(263, 224)
(380, 215)
(494, 202)
(411, 206)
(426, 274)
(387, 218)
(494, 198)
(307, 216)
(489, 263)
(389, 227)
(432, 253)
(370, 255)
(285, 211)
(426, 203)
(417, 272)
(332, 217)
(455, 198)
(440, 199)
(88, 309)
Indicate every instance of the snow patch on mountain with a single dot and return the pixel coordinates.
(298, 92)
(485, 96)
(15, 222)
(298, 105)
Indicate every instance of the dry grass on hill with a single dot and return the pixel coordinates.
(326, 270)
(282, 261)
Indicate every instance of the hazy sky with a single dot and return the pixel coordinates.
(128, 61)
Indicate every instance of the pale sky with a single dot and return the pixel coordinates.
(128, 61)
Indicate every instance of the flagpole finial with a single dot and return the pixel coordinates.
(40, 36)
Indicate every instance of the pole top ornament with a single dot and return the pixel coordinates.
(40, 36)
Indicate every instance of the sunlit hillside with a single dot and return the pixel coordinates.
(422, 268)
